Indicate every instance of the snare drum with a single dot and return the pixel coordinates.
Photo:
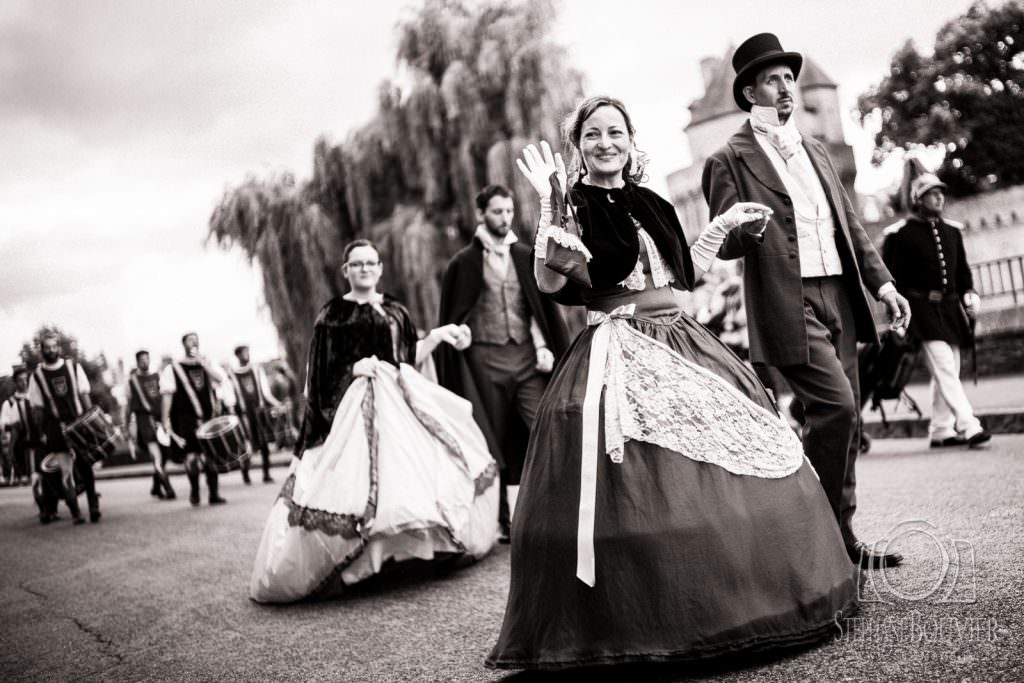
(92, 436)
(223, 442)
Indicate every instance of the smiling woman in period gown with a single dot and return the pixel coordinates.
(666, 509)
(390, 467)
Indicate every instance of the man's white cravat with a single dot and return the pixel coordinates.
(496, 252)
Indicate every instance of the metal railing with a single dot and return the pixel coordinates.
(1001, 278)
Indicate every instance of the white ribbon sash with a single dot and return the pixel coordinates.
(585, 570)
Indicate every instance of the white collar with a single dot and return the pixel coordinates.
(769, 116)
(375, 298)
(56, 365)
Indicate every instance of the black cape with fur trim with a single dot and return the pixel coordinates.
(345, 332)
(610, 235)
(463, 282)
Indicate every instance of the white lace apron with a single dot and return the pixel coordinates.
(657, 396)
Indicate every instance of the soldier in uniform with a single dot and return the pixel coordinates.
(59, 394)
(143, 409)
(189, 399)
(252, 401)
(18, 429)
(925, 254)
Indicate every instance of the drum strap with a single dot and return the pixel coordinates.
(73, 371)
(187, 386)
(22, 412)
(137, 388)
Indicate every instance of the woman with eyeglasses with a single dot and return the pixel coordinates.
(666, 510)
(389, 466)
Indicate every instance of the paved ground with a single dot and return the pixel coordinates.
(157, 591)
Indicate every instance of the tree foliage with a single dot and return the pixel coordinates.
(967, 96)
(477, 81)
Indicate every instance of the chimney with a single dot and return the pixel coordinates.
(708, 68)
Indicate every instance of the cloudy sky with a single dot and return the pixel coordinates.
(122, 122)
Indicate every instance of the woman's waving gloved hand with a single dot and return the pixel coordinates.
(538, 165)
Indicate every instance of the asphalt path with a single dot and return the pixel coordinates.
(157, 591)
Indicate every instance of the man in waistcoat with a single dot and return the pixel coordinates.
(59, 394)
(143, 411)
(19, 429)
(189, 399)
(925, 253)
(252, 403)
(517, 336)
(804, 277)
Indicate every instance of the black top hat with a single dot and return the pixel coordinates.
(753, 54)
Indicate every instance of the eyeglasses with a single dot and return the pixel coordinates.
(362, 264)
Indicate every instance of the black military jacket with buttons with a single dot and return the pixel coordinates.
(928, 262)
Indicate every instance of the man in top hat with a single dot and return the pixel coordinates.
(18, 429)
(59, 394)
(925, 253)
(517, 336)
(252, 401)
(142, 414)
(803, 276)
(189, 398)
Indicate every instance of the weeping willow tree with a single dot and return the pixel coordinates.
(479, 81)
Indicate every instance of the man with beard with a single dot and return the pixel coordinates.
(252, 401)
(59, 394)
(189, 399)
(517, 336)
(925, 253)
(804, 277)
(143, 407)
(18, 427)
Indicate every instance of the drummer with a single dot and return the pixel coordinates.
(252, 401)
(59, 393)
(189, 398)
(142, 414)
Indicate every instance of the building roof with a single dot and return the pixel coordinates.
(718, 100)
(812, 76)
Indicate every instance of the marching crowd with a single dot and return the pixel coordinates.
(658, 505)
(191, 412)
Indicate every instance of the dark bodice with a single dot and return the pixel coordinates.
(608, 220)
(344, 333)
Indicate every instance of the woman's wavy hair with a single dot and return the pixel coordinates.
(572, 130)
